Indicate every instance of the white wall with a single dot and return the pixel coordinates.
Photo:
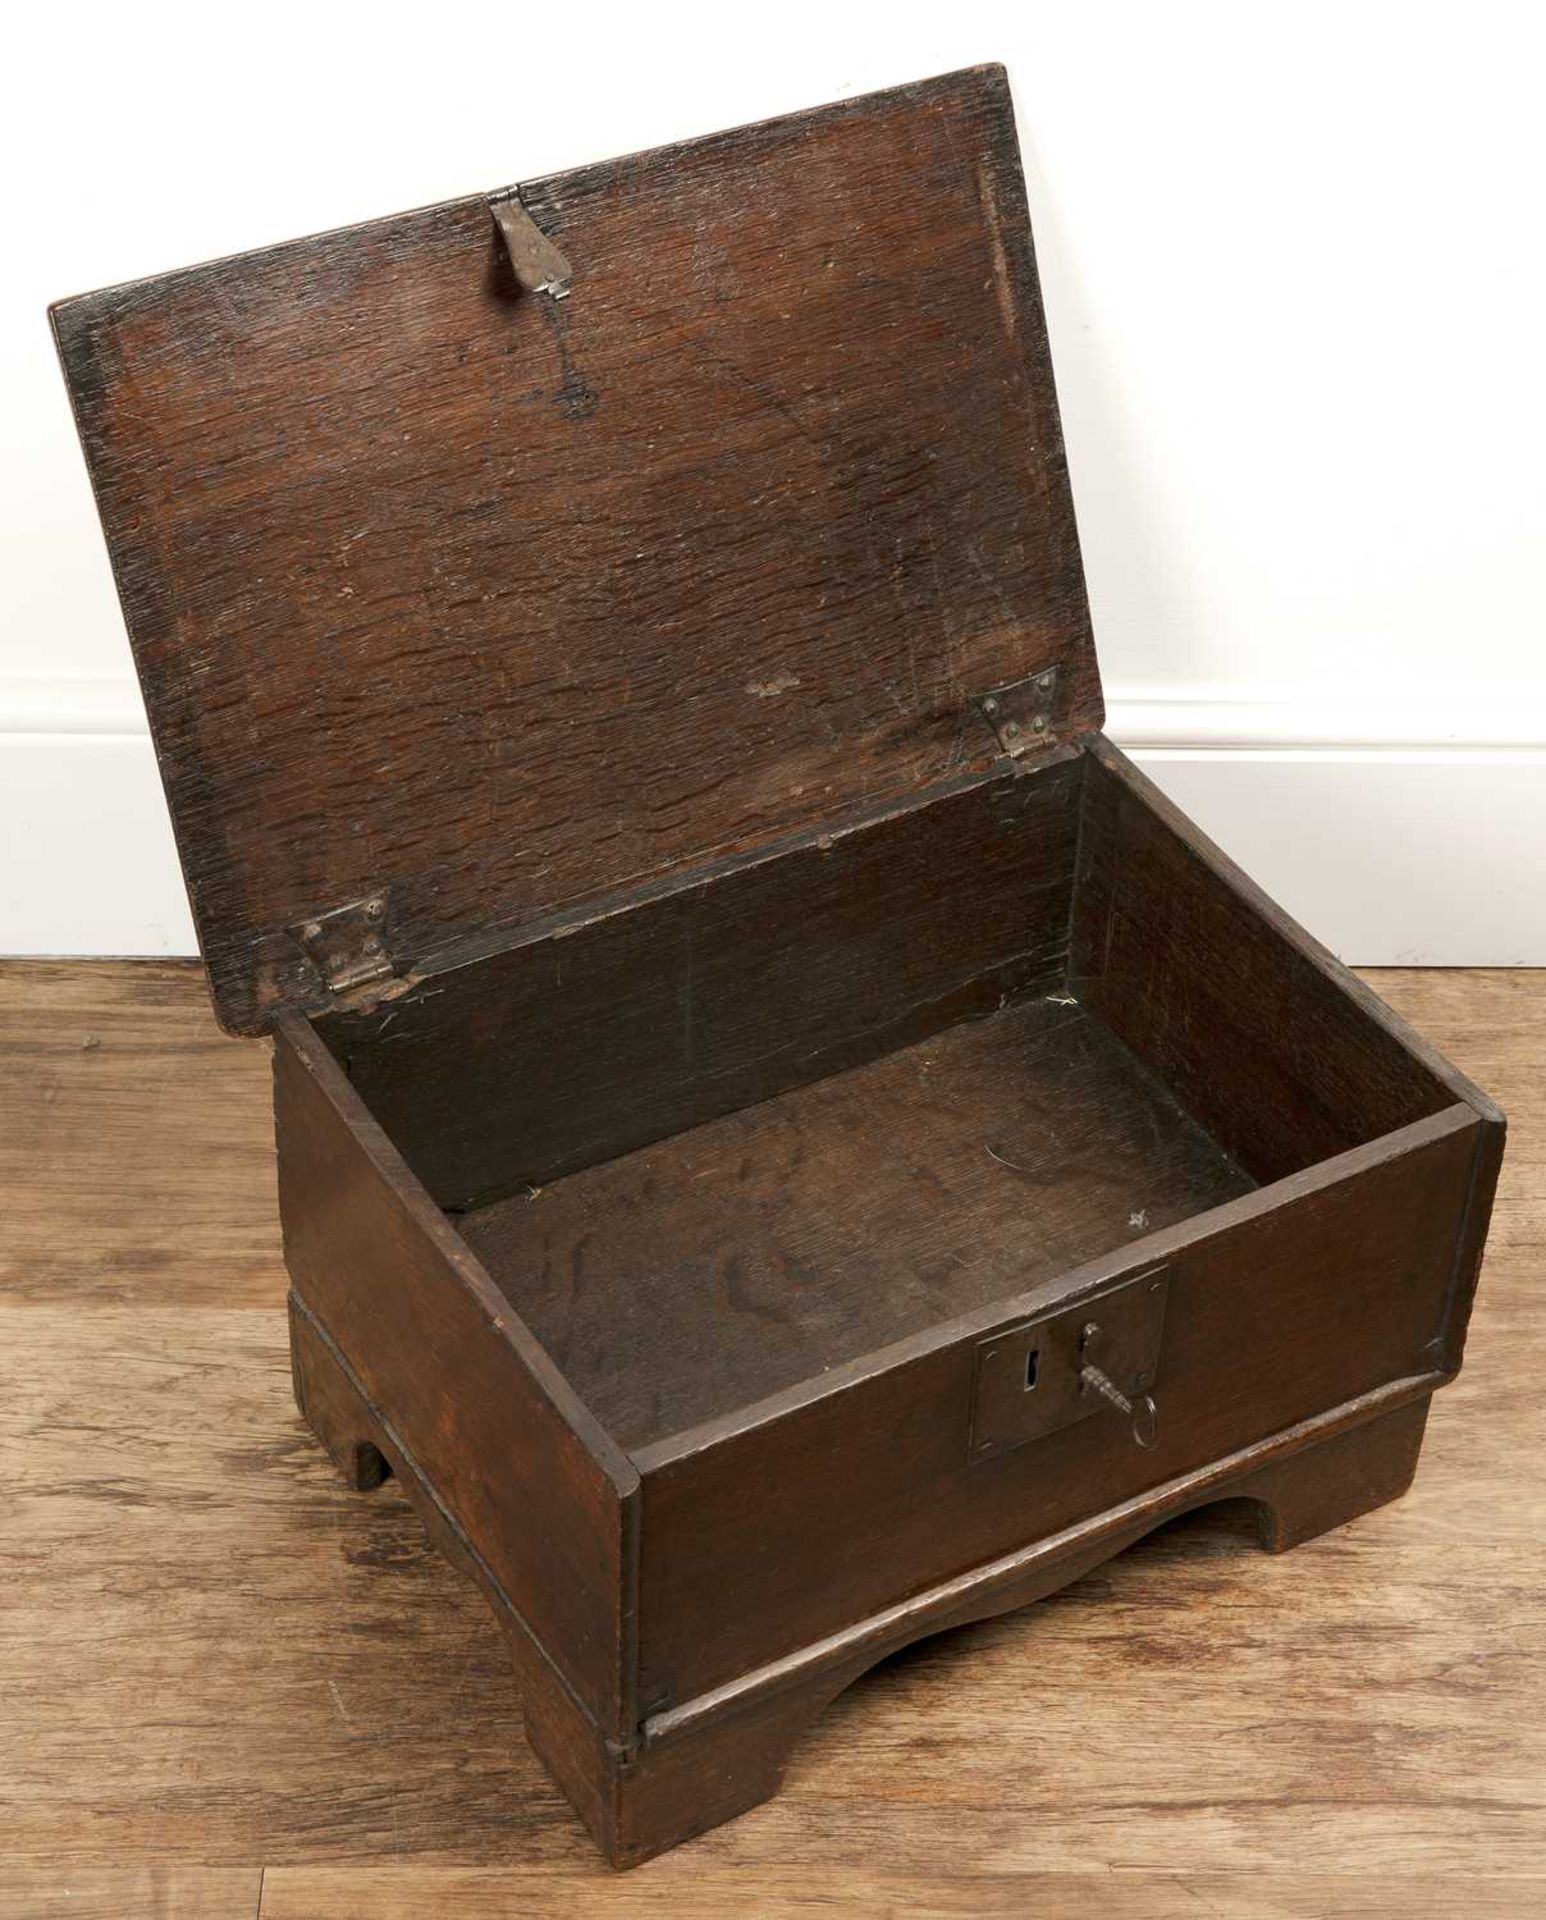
(1296, 282)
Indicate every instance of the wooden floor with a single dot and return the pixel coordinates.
(228, 1686)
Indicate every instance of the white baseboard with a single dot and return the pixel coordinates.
(1400, 837)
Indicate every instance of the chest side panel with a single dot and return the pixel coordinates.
(518, 1465)
(486, 601)
(818, 1518)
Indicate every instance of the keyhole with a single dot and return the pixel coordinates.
(1032, 1359)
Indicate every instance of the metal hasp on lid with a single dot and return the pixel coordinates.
(537, 264)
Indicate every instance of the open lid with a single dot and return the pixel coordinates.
(494, 557)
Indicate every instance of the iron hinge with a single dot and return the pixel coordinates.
(348, 945)
(1022, 714)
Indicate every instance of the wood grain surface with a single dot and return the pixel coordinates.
(232, 1687)
(496, 601)
(635, 1019)
(816, 1227)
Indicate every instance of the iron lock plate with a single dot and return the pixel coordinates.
(1031, 1379)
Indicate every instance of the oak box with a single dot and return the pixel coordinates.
(787, 1141)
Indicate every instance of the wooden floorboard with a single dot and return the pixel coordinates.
(228, 1685)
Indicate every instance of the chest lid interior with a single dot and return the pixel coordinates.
(502, 555)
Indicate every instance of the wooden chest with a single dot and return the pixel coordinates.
(787, 1142)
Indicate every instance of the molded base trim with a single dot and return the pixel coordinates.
(702, 1763)
(1263, 1472)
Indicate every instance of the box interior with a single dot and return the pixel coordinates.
(756, 1250)
(714, 1143)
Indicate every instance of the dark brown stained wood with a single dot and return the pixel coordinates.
(1293, 1486)
(1486, 1165)
(494, 602)
(590, 707)
(1257, 1031)
(529, 1478)
(1282, 1305)
(1317, 1474)
(282, 1677)
(734, 986)
(703, 1763)
(723, 1265)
